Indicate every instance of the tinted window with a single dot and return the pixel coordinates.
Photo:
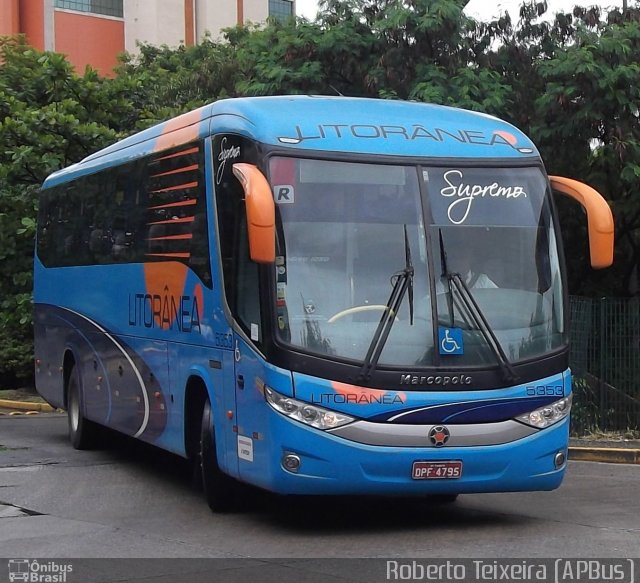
(148, 210)
(240, 273)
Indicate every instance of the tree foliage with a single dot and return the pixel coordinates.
(49, 118)
(571, 82)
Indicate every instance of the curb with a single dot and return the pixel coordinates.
(610, 455)
(26, 406)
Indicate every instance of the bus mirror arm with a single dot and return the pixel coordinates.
(261, 213)
(599, 217)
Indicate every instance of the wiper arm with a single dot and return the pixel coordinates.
(483, 325)
(445, 274)
(474, 311)
(409, 270)
(403, 283)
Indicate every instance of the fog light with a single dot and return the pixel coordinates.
(560, 459)
(291, 463)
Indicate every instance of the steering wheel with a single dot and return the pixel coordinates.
(359, 309)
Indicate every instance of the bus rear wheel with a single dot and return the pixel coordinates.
(83, 433)
(219, 488)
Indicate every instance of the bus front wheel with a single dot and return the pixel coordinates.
(218, 487)
(83, 433)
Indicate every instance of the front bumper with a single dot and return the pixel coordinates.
(334, 465)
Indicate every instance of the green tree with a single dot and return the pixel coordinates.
(587, 126)
(49, 118)
(161, 82)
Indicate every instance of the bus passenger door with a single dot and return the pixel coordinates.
(249, 430)
(226, 406)
(241, 288)
(249, 365)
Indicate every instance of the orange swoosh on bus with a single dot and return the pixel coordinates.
(509, 137)
(176, 171)
(180, 130)
(185, 186)
(178, 154)
(166, 279)
(346, 389)
(171, 205)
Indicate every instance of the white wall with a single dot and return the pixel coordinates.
(212, 16)
(256, 10)
(159, 22)
(162, 21)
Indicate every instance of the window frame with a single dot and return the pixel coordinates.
(111, 8)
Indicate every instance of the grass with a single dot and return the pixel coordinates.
(612, 435)
(25, 395)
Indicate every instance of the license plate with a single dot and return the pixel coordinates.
(450, 470)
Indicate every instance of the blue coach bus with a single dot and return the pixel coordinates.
(316, 296)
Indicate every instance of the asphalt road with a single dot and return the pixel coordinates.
(132, 501)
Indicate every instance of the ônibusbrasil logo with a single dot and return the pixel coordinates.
(34, 571)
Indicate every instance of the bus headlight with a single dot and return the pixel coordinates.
(547, 415)
(304, 412)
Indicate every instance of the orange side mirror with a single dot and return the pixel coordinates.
(261, 213)
(599, 217)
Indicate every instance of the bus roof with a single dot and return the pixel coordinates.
(332, 124)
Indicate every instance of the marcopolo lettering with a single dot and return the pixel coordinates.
(440, 380)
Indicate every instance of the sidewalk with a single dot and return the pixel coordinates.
(22, 401)
(614, 451)
(8, 407)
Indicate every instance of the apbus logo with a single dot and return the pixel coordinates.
(33, 571)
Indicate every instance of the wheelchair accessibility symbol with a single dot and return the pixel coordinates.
(450, 341)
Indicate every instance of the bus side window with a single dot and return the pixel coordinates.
(171, 192)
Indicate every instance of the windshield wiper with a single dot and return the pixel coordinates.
(477, 316)
(408, 267)
(483, 325)
(445, 275)
(403, 283)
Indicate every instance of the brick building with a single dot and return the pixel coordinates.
(94, 32)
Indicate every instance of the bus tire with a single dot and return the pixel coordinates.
(83, 433)
(218, 487)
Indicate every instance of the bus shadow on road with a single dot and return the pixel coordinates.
(313, 513)
(362, 513)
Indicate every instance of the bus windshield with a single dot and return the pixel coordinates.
(341, 247)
